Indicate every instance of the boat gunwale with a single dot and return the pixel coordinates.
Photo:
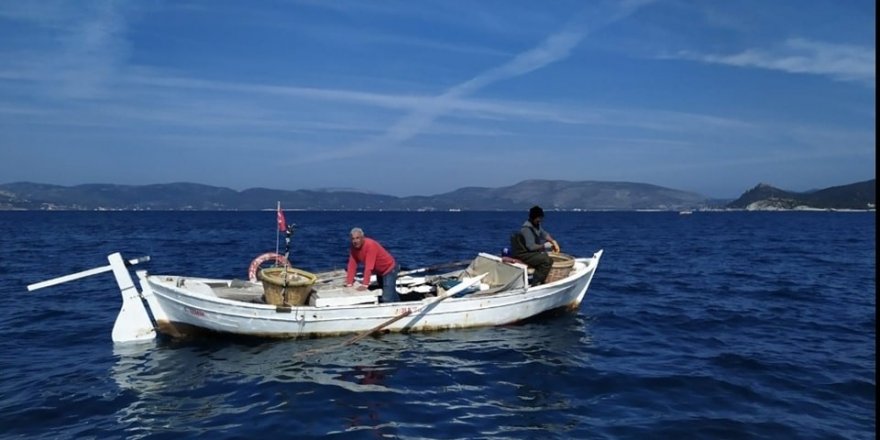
(182, 291)
(186, 301)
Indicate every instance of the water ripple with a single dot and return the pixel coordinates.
(721, 325)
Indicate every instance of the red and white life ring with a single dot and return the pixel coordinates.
(268, 256)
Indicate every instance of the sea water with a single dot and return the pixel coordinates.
(734, 325)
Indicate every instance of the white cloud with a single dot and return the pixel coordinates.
(839, 61)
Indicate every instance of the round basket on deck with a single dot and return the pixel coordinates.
(294, 292)
(562, 264)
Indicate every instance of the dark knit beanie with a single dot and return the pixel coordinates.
(536, 212)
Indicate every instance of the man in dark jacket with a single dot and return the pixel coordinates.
(531, 243)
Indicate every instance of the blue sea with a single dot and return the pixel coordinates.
(715, 325)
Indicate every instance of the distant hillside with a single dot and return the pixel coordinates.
(551, 194)
(178, 196)
(560, 194)
(860, 195)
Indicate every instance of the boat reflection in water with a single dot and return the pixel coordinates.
(204, 386)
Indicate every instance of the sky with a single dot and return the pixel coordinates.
(424, 97)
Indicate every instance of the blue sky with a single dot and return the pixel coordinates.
(424, 97)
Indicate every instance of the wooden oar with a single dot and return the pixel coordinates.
(458, 288)
(435, 267)
(377, 328)
(402, 273)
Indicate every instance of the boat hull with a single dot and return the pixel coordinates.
(180, 305)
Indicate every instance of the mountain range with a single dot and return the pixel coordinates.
(859, 195)
(550, 194)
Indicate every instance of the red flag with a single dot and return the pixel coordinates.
(282, 223)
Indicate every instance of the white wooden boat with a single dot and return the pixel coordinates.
(489, 291)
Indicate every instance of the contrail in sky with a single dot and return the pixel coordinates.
(554, 48)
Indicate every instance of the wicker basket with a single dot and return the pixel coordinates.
(299, 285)
(562, 265)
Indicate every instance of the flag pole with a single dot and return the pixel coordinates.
(278, 226)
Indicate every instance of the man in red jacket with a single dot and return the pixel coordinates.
(374, 258)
